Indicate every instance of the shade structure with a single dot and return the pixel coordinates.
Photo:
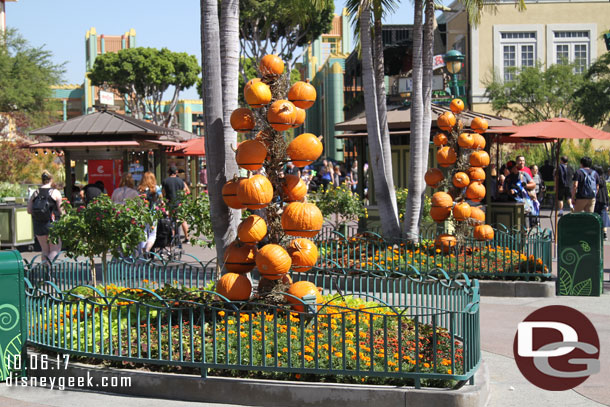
(193, 147)
(551, 130)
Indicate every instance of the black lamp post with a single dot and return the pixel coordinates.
(453, 61)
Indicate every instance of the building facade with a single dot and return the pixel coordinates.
(547, 32)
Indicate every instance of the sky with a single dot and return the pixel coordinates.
(60, 27)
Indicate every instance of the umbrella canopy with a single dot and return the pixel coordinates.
(553, 129)
(195, 147)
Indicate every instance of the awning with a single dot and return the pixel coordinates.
(85, 144)
(193, 147)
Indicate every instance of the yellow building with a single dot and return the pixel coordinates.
(548, 32)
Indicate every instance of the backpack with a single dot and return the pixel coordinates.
(42, 206)
(587, 191)
(563, 175)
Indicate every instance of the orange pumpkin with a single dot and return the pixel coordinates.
(299, 118)
(258, 94)
(242, 120)
(281, 114)
(477, 215)
(251, 154)
(294, 188)
(271, 65)
(251, 82)
(476, 174)
(479, 159)
(475, 191)
(304, 149)
(255, 192)
(441, 206)
(461, 211)
(433, 177)
(304, 254)
(302, 219)
(466, 140)
(302, 94)
(302, 289)
(440, 139)
(479, 125)
(235, 287)
(445, 242)
(229, 194)
(461, 180)
(273, 261)
(446, 121)
(479, 142)
(483, 232)
(239, 258)
(457, 105)
(446, 156)
(252, 229)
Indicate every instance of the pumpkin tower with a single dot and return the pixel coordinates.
(462, 159)
(278, 199)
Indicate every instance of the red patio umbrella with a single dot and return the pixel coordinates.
(555, 130)
(195, 146)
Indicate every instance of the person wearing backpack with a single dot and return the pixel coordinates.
(45, 207)
(586, 185)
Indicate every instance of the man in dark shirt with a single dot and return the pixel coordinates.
(546, 171)
(564, 186)
(171, 185)
(92, 191)
(582, 194)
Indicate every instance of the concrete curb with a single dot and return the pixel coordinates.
(271, 393)
(517, 288)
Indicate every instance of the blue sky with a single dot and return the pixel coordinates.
(60, 26)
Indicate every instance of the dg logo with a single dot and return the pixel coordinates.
(556, 348)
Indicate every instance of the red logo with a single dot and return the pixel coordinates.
(556, 348)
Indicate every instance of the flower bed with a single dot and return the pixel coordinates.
(348, 339)
(480, 260)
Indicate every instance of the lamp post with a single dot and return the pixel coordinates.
(453, 61)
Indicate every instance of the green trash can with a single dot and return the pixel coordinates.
(580, 249)
(12, 313)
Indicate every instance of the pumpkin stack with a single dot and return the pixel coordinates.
(462, 159)
(280, 200)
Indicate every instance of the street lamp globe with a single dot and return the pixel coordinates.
(453, 60)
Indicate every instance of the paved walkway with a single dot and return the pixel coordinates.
(499, 319)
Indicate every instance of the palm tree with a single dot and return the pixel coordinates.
(384, 190)
(378, 134)
(219, 102)
(421, 101)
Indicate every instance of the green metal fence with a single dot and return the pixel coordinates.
(418, 328)
(511, 254)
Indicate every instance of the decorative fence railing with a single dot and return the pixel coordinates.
(511, 254)
(404, 329)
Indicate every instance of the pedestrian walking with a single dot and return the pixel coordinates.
(45, 207)
(586, 185)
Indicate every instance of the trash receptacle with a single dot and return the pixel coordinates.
(12, 313)
(580, 260)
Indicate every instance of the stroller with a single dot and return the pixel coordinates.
(167, 244)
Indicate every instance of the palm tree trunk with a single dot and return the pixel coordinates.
(427, 74)
(416, 182)
(218, 149)
(379, 143)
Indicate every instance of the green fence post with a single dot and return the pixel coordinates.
(12, 313)
(580, 262)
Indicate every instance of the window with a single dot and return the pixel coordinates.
(572, 47)
(518, 51)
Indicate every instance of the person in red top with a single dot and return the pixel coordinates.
(521, 166)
